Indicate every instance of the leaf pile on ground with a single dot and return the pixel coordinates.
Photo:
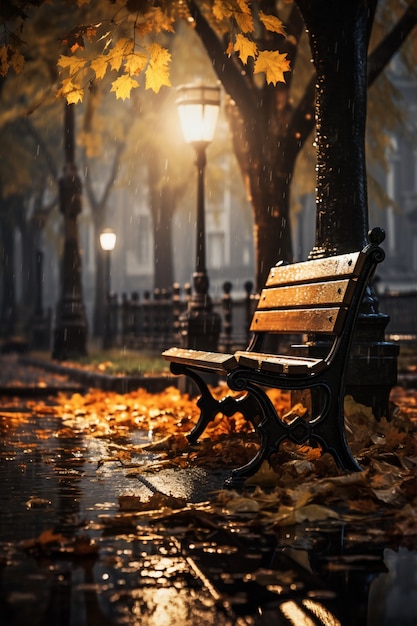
(298, 485)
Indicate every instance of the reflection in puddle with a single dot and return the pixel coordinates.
(138, 571)
(393, 595)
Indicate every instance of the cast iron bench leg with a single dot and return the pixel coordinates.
(210, 407)
(327, 429)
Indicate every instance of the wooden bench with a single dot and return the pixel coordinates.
(317, 298)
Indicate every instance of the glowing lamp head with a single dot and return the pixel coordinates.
(198, 109)
(108, 239)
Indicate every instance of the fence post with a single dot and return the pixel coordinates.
(113, 320)
(248, 286)
(134, 333)
(166, 313)
(125, 319)
(176, 312)
(227, 316)
(146, 325)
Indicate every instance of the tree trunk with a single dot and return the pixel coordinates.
(339, 37)
(267, 136)
(8, 304)
(267, 168)
(162, 205)
(28, 296)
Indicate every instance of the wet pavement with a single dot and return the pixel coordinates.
(72, 555)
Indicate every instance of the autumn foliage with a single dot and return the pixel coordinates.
(300, 484)
(122, 37)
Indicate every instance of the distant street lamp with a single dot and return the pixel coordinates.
(70, 335)
(107, 243)
(198, 109)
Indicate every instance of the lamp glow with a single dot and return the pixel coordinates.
(198, 110)
(108, 239)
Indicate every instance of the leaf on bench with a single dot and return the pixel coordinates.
(213, 361)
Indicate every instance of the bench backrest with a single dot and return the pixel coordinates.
(308, 297)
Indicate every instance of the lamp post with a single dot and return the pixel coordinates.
(40, 327)
(107, 243)
(198, 109)
(70, 335)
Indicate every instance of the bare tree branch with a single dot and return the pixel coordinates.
(385, 50)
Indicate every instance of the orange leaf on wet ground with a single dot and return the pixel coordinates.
(300, 479)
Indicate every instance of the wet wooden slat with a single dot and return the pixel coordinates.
(317, 269)
(213, 361)
(318, 294)
(280, 364)
(292, 321)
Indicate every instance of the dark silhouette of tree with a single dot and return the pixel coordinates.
(270, 127)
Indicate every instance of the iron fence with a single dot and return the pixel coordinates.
(151, 321)
(402, 310)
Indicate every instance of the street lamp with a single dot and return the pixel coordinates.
(107, 243)
(198, 109)
(70, 334)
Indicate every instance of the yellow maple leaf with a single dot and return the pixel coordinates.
(99, 66)
(75, 96)
(239, 10)
(135, 63)
(156, 77)
(144, 26)
(17, 61)
(221, 10)
(72, 63)
(272, 23)
(157, 73)
(243, 16)
(121, 49)
(123, 85)
(64, 60)
(273, 64)
(161, 20)
(4, 64)
(158, 54)
(69, 90)
(245, 47)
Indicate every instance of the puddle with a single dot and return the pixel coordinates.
(185, 572)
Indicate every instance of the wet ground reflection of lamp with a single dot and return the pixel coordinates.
(107, 243)
(198, 109)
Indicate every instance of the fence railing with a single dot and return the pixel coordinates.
(401, 306)
(151, 322)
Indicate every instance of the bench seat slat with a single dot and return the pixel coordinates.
(317, 269)
(323, 293)
(292, 321)
(280, 364)
(213, 361)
